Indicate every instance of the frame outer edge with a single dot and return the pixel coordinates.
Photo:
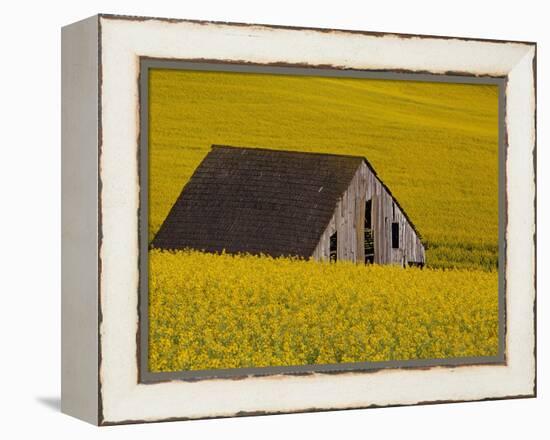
(79, 220)
(99, 418)
(142, 18)
(535, 207)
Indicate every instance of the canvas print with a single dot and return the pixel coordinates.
(302, 220)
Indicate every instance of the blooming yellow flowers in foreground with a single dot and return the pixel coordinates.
(210, 311)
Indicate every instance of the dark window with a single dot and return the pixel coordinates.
(395, 235)
(369, 234)
(368, 214)
(333, 247)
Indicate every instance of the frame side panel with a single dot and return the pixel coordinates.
(79, 220)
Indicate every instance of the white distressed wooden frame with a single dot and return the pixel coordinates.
(100, 67)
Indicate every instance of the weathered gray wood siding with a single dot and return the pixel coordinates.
(348, 222)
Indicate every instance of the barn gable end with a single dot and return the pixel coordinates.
(348, 224)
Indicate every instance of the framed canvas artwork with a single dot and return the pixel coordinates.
(264, 219)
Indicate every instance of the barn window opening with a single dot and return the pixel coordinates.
(369, 234)
(333, 247)
(395, 235)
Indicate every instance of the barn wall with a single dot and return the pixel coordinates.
(348, 222)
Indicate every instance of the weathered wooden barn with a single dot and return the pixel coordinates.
(284, 203)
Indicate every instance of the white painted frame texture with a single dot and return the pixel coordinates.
(120, 397)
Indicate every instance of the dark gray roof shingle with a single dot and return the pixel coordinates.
(252, 200)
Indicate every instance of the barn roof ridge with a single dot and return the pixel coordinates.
(313, 153)
(363, 158)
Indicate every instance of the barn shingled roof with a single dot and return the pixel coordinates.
(254, 200)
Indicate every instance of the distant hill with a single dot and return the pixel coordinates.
(435, 145)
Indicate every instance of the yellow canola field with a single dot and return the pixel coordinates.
(221, 311)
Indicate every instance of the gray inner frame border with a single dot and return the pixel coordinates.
(142, 336)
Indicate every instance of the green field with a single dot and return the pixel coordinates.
(435, 145)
